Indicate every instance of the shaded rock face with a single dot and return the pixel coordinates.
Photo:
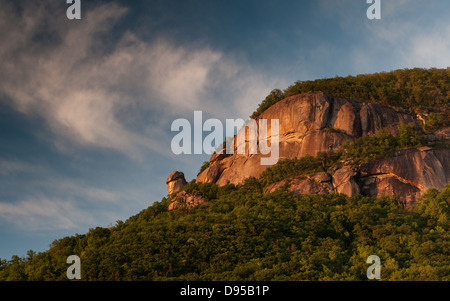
(440, 135)
(316, 183)
(407, 175)
(186, 200)
(316, 122)
(175, 182)
(345, 181)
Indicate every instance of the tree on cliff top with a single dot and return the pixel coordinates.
(407, 90)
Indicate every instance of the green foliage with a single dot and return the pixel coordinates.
(383, 144)
(410, 136)
(367, 148)
(204, 166)
(275, 96)
(209, 190)
(246, 235)
(297, 167)
(434, 121)
(407, 90)
(435, 207)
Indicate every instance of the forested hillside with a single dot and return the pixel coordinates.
(243, 234)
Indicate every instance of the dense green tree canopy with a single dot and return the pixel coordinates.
(407, 90)
(243, 234)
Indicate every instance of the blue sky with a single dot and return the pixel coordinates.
(86, 105)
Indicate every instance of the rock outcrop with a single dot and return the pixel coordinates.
(315, 183)
(316, 122)
(175, 182)
(440, 135)
(408, 174)
(186, 200)
(308, 123)
(182, 199)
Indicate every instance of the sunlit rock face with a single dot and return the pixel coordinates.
(316, 122)
(175, 182)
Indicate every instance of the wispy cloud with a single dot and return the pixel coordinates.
(64, 205)
(411, 33)
(91, 96)
(430, 49)
(39, 214)
(52, 201)
(14, 167)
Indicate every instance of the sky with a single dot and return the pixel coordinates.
(86, 106)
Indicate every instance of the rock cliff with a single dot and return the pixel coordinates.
(175, 181)
(186, 200)
(316, 122)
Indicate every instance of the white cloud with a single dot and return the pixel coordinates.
(402, 39)
(39, 214)
(430, 49)
(60, 204)
(91, 97)
(50, 201)
(12, 167)
(45, 179)
(410, 34)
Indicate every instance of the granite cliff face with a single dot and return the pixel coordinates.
(316, 122)
(181, 199)
(175, 181)
(408, 174)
